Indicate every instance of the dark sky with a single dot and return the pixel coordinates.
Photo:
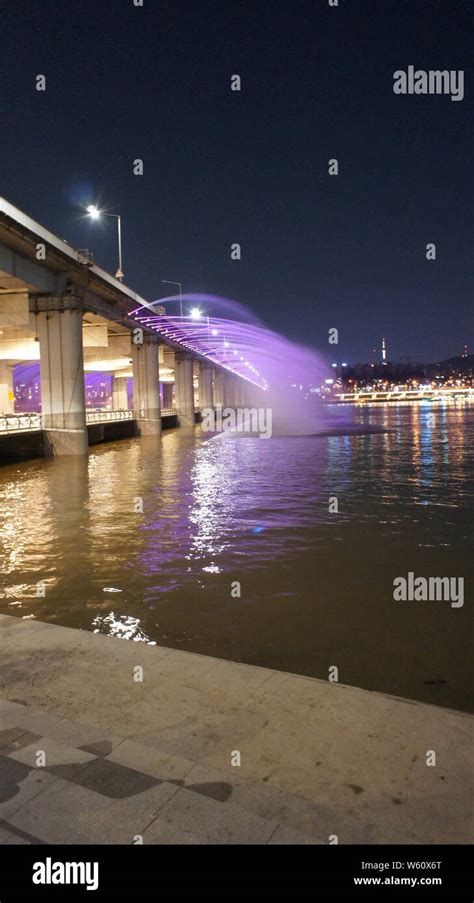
(252, 167)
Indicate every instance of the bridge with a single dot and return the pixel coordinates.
(399, 394)
(58, 308)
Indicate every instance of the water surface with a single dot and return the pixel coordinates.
(316, 587)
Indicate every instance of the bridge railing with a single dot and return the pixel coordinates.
(15, 423)
(108, 416)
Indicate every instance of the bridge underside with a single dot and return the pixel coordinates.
(72, 354)
(78, 376)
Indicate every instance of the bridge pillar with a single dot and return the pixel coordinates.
(206, 397)
(167, 395)
(184, 389)
(7, 403)
(248, 394)
(219, 387)
(239, 392)
(119, 393)
(230, 391)
(59, 325)
(146, 386)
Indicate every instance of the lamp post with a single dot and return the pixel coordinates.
(95, 213)
(179, 284)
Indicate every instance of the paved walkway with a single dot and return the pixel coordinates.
(89, 754)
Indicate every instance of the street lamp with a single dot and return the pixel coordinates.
(95, 214)
(179, 284)
(195, 313)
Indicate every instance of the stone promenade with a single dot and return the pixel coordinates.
(92, 753)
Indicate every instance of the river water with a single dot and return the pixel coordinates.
(316, 587)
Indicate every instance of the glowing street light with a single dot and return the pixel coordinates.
(196, 313)
(93, 211)
(96, 214)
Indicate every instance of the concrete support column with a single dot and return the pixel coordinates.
(230, 391)
(219, 387)
(146, 386)
(206, 396)
(184, 389)
(119, 393)
(7, 403)
(62, 377)
(167, 395)
(237, 391)
(248, 394)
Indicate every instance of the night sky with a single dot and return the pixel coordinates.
(345, 251)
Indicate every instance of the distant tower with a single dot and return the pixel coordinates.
(384, 352)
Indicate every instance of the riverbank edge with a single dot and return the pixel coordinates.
(316, 760)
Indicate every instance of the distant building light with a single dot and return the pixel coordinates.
(333, 365)
(329, 382)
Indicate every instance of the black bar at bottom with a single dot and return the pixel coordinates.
(154, 872)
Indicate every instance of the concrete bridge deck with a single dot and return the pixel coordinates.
(127, 760)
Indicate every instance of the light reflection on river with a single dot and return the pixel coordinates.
(316, 588)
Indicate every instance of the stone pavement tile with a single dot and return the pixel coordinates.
(312, 765)
(200, 816)
(77, 697)
(9, 834)
(196, 730)
(163, 832)
(261, 798)
(184, 742)
(60, 760)
(28, 718)
(63, 730)
(113, 652)
(17, 840)
(73, 814)
(326, 765)
(89, 738)
(420, 727)
(13, 738)
(441, 818)
(289, 693)
(6, 706)
(350, 708)
(25, 676)
(4, 834)
(113, 780)
(263, 750)
(204, 672)
(286, 835)
(17, 628)
(165, 704)
(20, 784)
(151, 761)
